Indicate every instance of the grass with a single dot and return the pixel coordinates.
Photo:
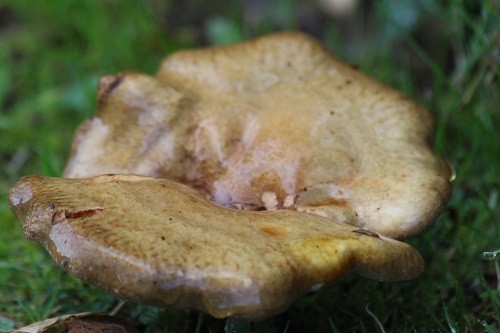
(443, 54)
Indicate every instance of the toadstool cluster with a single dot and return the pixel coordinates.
(238, 178)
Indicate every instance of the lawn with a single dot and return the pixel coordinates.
(444, 54)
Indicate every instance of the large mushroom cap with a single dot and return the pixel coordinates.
(160, 242)
(273, 123)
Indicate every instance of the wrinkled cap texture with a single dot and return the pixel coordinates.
(239, 177)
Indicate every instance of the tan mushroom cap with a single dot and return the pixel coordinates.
(160, 242)
(272, 123)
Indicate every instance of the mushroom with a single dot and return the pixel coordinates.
(295, 169)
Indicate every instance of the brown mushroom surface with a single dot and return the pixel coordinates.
(297, 168)
(272, 123)
(161, 242)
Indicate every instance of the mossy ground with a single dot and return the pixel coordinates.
(443, 54)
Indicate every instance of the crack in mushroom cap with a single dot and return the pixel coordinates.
(272, 123)
(161, 242)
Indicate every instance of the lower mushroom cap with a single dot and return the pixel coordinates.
(160, 242)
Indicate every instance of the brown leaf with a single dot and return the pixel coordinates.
(82, 323)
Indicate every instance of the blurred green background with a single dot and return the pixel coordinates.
(444, 54)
